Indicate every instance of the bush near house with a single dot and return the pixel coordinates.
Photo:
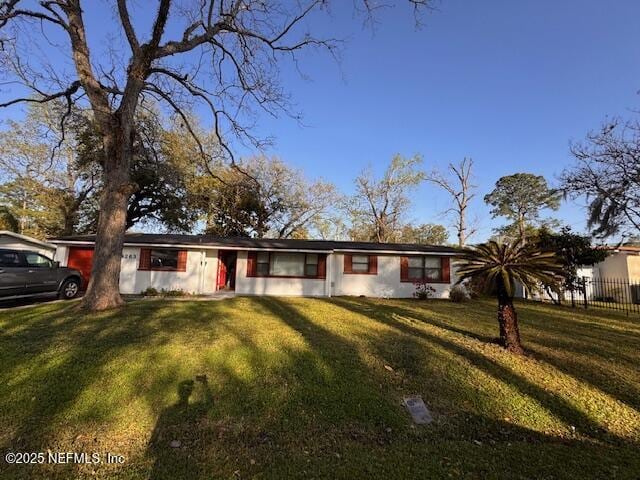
(298, 388)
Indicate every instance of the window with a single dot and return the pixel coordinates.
(311, 265)
(360, 263)
(432, 268)
(163, 259)
(425, 268)
(415, 268)
(262, 268)
(286, 264)
(38, 261)
(363, 264)
(10, 259)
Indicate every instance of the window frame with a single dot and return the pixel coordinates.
(320, 257)
(372, 264)
(146, 254)
(442, 277)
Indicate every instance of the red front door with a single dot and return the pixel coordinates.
(81, 258)
(222, 271)
(226, 270)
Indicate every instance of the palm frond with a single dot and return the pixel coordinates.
(499, 264)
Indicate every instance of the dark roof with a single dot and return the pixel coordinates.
(272, 243)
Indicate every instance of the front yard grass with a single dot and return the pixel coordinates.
(312, 388)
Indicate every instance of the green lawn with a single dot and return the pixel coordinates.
(311, 388)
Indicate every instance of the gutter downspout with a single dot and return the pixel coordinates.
(329, 279)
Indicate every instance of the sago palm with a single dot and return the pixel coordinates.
(497, 267)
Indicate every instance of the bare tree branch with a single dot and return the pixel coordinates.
(128, 28)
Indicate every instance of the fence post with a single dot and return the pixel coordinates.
(584, 292)
(573, 297)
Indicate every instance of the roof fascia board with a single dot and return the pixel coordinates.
(25, 238)
(262, 249)
(394, 252)
(196, 247)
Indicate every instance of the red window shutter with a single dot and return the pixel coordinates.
(373, 264)
(445, 266)
(322, 266)
(145, 259)
(252, 264)
(348, 263)
(404, 269)
(182, 261)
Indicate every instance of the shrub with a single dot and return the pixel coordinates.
(474, 287)
(458, 294)
(153, 292)
(423, 290)
(173, 293)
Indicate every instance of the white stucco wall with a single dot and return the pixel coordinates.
(275, 286)
(7, 241)
(134, 281)
(614, 266)
(61, 254)
(200, 276)
(385, 284)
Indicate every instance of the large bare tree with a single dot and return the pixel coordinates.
(457, 182)
(607, 175)
(379, 206)
(226, 57)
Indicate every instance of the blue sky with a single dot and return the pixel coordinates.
(508, 83)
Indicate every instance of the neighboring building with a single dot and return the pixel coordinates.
(623, 263)
(203, 264)
(615, 279)
(16, 241)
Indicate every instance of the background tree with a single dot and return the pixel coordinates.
(607, 173)
(457, 183)
(226, 58)
(7, 220)
(511, 231)
(161, 167)
(497, 267)
(425, 234)
(331, 226)
(263, 197)
(573, 251)
(379, 207)
(520, 198)
(44, 187)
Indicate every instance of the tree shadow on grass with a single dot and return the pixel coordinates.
(329, 404)
(557, 405)
(65, 353)
(321, 398)
(604, 356)
(578, 348)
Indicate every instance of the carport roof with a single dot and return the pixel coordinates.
(259, 243)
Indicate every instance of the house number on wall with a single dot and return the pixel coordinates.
(129, 256)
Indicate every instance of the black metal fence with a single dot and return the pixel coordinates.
(611, 293)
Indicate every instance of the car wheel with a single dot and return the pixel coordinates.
(70, 289)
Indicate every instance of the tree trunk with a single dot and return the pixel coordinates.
(508, 322)
(103, 291)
